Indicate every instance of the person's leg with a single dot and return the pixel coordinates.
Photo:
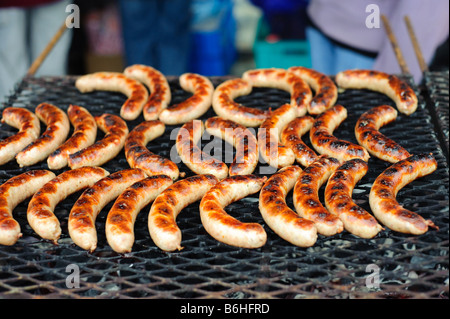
(139, 30)
(13, 49)
(45, 21)
(347, 59)
(174, 36)
(322, 51)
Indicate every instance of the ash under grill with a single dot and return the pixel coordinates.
(335, 267)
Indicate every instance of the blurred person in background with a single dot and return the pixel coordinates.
(26, 27)
(345, 34)
(157, 33)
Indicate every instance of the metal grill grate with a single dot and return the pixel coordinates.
(335, 267)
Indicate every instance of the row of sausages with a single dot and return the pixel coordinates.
(339, 162)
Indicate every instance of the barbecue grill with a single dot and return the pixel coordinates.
(391, 265)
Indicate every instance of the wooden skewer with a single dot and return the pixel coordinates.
(40, 59)
(417, 50)
(395, 46)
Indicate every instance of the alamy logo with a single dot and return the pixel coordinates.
(73, 19)
(373, 19)
(373, 279)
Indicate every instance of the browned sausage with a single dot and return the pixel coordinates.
(277, 214)
(156, 82)
(399, 91)
(306, 196)
(199, 162)
(14, 191)
(135, 91)
(222, 226)
(291, 137)
(58, 127)
(121, 218)
(324, 142)
(241, 138)
(193, 107)
(300, 92)
(368, 135)
(84, 134)
(138, 156)
(382, 197)
(105, 149)
(338, 199)
(162, 225)
(82, 216)
(29, 129)
(326, 92)
(224, 105)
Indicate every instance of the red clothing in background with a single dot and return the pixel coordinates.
(23, 3)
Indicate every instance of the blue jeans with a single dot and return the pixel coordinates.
(329, 58)
(157, 33)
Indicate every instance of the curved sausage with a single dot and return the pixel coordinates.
(119, 226)
(223, 227)
(323, 141)
(138, 156)
(306, 196)
(199, 162)
(224, 105)
(135, 91)
(29, 129)
(326, 92)
(276, 213)
(162, 226)
(82, 216)
(241, 138)
(40, 213)
(14, 191)
(55, 134)
(368, 135)
(107, 148)
(160, 94)
(382, 197)
(281, 79)
(399, 91)
(291, 137)
(338, 199)
(274, 153)
(194, 106)
(84, 134)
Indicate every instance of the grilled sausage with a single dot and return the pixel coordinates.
(300, 92)
(338, 199)
(29, 129)
(277, 214)
(40, 213)
(291, 137)
(82, 216)
(14, 191)
(160, 94)
(243, 141)
(191, 155)
(119, 226)
(326, 92)
(55, 134)
(306, 196)
(138, 156)
(223, 227)
(323, 141)
(84, 134)
(135, 91)
(382, 197)
(274, 153)
(224, 105)
(194, 106)
(162, 226)
(368, 135)
(399, 91)
(102, 151)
